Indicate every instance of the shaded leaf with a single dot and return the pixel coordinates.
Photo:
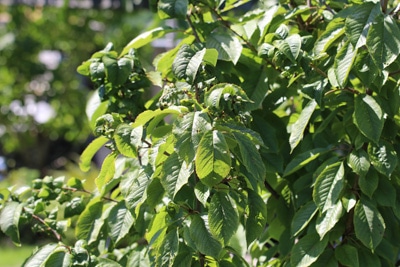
(369, 225)
(368, 117)
(369, 183)
(120, 221)
(222, 217)
(347, 255)
(303, 217)
(168, 9)
(187, 63)
(257, 217)
(38, 259)
(133, 186)
(90, 221)
(307, 250)
(303, 159)
(168, 250)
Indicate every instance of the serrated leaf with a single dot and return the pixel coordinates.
(303, 217)
(133, 186)
(333, 32)
(343, 64)
(327, 220)
(107, 172)
(105, 262)
(347, 255)
(187, 63)
(297, 129)
(39, 258)
(123, 140)
(90, 151)
(202, 238)
(290, 47)
(250, 157)
(368, 117)
(146, 38)
(213, 160)
(10, 215)
(307, 250)
(229, 47)
(369, 225)
(369, 183)
(90, 221)
(60, 257)
(138, 258)
(328, 186)
(359, 21)
(257, 217)
(383, 157)
(303, 159)
(168, 9)
(120, 221)
(383, 41)
(168, 250)
(223, 218)
(175, 174)
(157, 229)
(359, 162)
(202, 193)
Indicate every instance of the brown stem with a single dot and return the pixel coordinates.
(384, 4)
(87, 192)
(57, 235)
(271, 190)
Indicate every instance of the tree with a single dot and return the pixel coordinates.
(273, 141)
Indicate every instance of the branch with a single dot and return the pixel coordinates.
(57, 235)
(271, 190)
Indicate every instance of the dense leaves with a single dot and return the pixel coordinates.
(273, 141)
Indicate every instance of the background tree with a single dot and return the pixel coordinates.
(273, 141)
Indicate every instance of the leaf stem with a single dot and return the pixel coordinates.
(57, 235)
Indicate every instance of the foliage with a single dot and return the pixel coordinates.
(273, 141)
(42, 97)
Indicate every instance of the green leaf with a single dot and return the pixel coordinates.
(290, 47)
(347, 255)
(307, 250)
(120, 221)
(249, 156)
(257, 91)
(223, 218)
(187, 63)
(168, 9)
(202, 193)
(328, 186)
(168, 250)
(133, 186)
(10, 214)
(385, 195)
(257, 216)
(90, 221)
(229, 47)
(383, 41)
(333, 32)
(303, 217)
(146, 38)
(369, 183)
(213, 160)
(60, 257)
(107, 171)
(138, 258)
(105, 262)
(303, 159)
(343, 64)
(359, 21)
(175, 174)
(359, 162)
(297, 129)
(383, 157)
(369, 225)
(202, 238)
(188, 131)
(368, 117)
(125, 138)
(39, 258)
(90, 151)
(157, 229)
(327, 220)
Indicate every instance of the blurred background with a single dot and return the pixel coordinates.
(43, 126)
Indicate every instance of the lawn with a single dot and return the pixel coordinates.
(14, 256)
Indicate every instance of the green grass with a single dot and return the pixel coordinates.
(14, 256)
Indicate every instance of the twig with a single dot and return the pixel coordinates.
(57, 235)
